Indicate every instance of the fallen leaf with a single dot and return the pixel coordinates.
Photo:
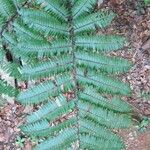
(28, 146)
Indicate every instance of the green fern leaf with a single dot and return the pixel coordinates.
(43, 91)
(43, 22)
(54, 7)
(82, 6)
(7, 89)
(47, 68)
(101, 62)
(79, 100)
(7, 8)
(101, 43)
(68, 136)
(1, 55)
(101, 20)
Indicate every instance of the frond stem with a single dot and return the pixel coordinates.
(73, 47)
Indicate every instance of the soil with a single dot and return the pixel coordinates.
(133, 21)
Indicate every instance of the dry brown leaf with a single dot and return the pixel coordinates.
(146, 45)
(28, 146)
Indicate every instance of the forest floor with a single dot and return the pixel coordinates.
(133, 21)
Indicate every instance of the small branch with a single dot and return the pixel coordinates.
(16, 83)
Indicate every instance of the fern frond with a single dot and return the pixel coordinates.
(47, 68)
(82, 6)
(42, 91)
(101, 43)
(104, 63)
(2, 21)
(9, 38)
(19, 2)
(7, 89)
(89, 22)
(1, 55)
(7, 8)
(45, 109)
(103, 83)
(43, 47)
(33, 130)
(89, 142)
(54, 7)
(103, 116)
(12, 69)
(26, 33)
(48, 108)
(92, 96)
(43, 22)
(12, 42)
(79, 99)
(147, 2)
(68, 136)
(62, 110)
(40, 125)
(89, 127)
